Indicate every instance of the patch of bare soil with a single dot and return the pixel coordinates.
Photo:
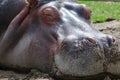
(112, 28)
(32, 75)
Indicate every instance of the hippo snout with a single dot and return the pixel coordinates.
(85, 56)
(75, 47)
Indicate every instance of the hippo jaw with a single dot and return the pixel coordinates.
(84, 52)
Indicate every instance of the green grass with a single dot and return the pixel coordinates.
(102, 10)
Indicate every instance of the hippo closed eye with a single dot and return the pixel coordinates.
(56, 38)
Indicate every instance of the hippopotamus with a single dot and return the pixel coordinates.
(57, 38)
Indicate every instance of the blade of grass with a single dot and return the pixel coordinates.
(102, 10)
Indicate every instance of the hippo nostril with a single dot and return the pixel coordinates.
(113, 40)
(91, 40)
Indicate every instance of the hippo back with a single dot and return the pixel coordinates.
(9, 9)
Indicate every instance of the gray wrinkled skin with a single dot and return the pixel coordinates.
(83, 53)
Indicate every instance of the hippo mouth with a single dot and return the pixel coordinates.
(87, 61)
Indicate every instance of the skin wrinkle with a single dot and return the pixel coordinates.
(12, 30)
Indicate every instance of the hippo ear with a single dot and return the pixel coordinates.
(87, 12)
(49, 15)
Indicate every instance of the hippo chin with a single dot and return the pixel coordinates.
(56, 38)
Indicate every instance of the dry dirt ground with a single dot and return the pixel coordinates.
(112, 27)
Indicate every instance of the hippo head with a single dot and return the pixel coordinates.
(79, 50)
(62, 41)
